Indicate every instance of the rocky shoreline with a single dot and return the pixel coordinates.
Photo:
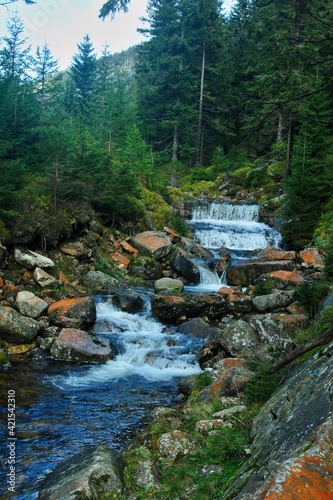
(253, 321)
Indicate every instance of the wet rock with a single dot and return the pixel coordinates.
(128, 300)
(15, 350)
(181, 261)
(271, 253)
(310, 257)
(175, 444)
(273, 301)
(75, 313)
(31, 260)
(245, 273)
(16, 328)
(170, 308)
(30, 305)
(195, 249)
(168, 285)
(199, 328)
(78, 346)
(146, 268)
(292, 439)
(156, 244)
(239, 304)
(187, 384)
(43, 278)
(147, 475)
(93, 473)
(100, 283)
(233, 376)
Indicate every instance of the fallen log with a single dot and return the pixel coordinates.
(325, 338)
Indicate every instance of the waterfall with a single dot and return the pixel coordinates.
(235, 227)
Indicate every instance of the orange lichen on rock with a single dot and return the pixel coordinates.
(307, 477)
(121, 259)
(311, 258)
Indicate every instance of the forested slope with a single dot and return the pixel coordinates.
(209, 100)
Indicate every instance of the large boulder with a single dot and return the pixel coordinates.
(292, 447)
(199, 328)
(146, 268)
(273, 301)
(172, 308)
(311, 258)
(73, 313)
(16, 328)
(168, 285)
(31, 260)
(240, 339)
(157, 245)
(100, 283)
(244, 272)
(77, 346)
(181, 261)
(30, 305)
(128, 300)
(93, 473)
(281, 279)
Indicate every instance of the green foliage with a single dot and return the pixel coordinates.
(159, 212)
(311, 296)
(260, 388)
(264, 287)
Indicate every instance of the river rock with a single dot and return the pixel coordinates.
(147, 475)
(239, 339)
(244, 273)
(168, 285)
(195, 249)
(156, 244)
(30, 305)
(128, 300)
(270, 253)
(74, 313)
(146, 268)
(100, 283)
(273, 301)
(9, 293)
(181, 261)
(78, 346)
(79, 249)
(93, 473)
(281, 279)
(43, 278)
(16, 328)
(239, 304)
(31, 260)
(175, 444)
(310, 257)
(172, 308)
(232, 376)
(208, 353)
(199, 328)
(292, 438)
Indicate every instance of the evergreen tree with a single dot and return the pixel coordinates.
(83, 73)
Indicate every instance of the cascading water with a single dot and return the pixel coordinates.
(63, 407)
(225, 226)
(235, 227)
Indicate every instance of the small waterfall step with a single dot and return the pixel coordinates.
(235, 227)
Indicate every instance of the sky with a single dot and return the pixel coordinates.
(62, 24)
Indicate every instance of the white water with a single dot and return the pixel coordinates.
(144, 351)
(232, 227)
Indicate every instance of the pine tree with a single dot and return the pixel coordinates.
(83, 73)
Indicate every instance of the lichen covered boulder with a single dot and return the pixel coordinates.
(73, 313)
(78, 346)
(16, 328)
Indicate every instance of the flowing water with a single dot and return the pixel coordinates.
(235, 228)
(63, 407)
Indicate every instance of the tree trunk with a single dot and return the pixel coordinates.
(199, 141)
